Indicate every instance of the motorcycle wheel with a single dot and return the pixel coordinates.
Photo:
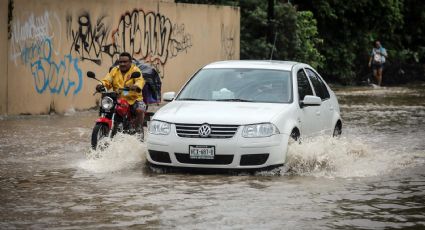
(99, 131)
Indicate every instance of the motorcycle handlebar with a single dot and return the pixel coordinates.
(95, 92)
(119, 90)
(129, 89)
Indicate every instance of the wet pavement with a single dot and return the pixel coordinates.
(373, 177)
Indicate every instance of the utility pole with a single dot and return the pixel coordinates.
(270, 19)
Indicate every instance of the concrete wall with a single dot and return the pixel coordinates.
(3, 56)
(54, 43)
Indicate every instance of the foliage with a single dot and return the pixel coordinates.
(308, 40)
(295, 34)
(413, 32)
(285, 29)
(336, 36)
(349, 29)
(253, 34)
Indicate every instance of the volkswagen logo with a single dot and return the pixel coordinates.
(204, 130)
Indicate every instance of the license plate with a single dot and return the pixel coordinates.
(201, 151)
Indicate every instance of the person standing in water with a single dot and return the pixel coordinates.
(377, 60)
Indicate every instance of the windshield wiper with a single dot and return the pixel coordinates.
(234, 99)
(190, 99)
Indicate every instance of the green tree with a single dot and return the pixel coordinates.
(348, 29)
(254, 30)
(295, 34)
(274, 29)
(413, 33)
(335, 36)
(308, 40)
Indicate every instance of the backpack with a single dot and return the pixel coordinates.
(152, 90)
(377, 58)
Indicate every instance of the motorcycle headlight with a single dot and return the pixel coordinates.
(159, 128)
(107, 103)
(259, 130)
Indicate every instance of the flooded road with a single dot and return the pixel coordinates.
(373, 177)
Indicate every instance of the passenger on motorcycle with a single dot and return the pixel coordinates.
(118, 78)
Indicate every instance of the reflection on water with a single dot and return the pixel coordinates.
(372, 177)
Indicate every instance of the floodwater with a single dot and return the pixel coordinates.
(373, 177)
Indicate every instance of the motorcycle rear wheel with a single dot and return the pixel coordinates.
(99, 131)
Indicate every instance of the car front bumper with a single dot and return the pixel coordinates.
(230, 153)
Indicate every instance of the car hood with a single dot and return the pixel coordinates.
(238, 113)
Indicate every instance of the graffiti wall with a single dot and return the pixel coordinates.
(52, 44)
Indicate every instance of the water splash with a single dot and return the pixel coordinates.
(122, 152)
(345, 158)
(70, 112)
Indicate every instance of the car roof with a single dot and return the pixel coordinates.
(254, 64)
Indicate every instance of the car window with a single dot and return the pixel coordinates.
(318, 85)
(304, 87)
(254, 85)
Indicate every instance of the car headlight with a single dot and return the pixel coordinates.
(259, 130)
(159, 128)
(107, 103)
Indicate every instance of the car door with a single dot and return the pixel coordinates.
(326, 108)
(309, 116)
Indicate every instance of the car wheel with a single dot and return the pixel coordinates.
(295, 136)
(337, 130)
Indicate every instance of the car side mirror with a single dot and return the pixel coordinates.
(169, 96)
(310, 100)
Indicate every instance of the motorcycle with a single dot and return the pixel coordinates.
(115, 114)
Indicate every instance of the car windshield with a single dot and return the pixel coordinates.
(239, 85)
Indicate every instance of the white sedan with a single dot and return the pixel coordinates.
(241, 115)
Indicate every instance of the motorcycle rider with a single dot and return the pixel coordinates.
(119, 77)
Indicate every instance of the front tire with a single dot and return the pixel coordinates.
(295, 136)
(100, 131)
(337, 130)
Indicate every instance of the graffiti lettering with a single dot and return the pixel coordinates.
(31, 52)
(151, 36)
(228, 42)
(89, 41)
(180, 41)
(153, 32)
(57, 77)
(36, 28)
(29, 35)
(147, 36)
(32, 42)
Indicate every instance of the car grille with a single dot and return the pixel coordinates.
(218, 159)
(217, 131)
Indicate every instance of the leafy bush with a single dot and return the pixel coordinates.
(335, 36)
